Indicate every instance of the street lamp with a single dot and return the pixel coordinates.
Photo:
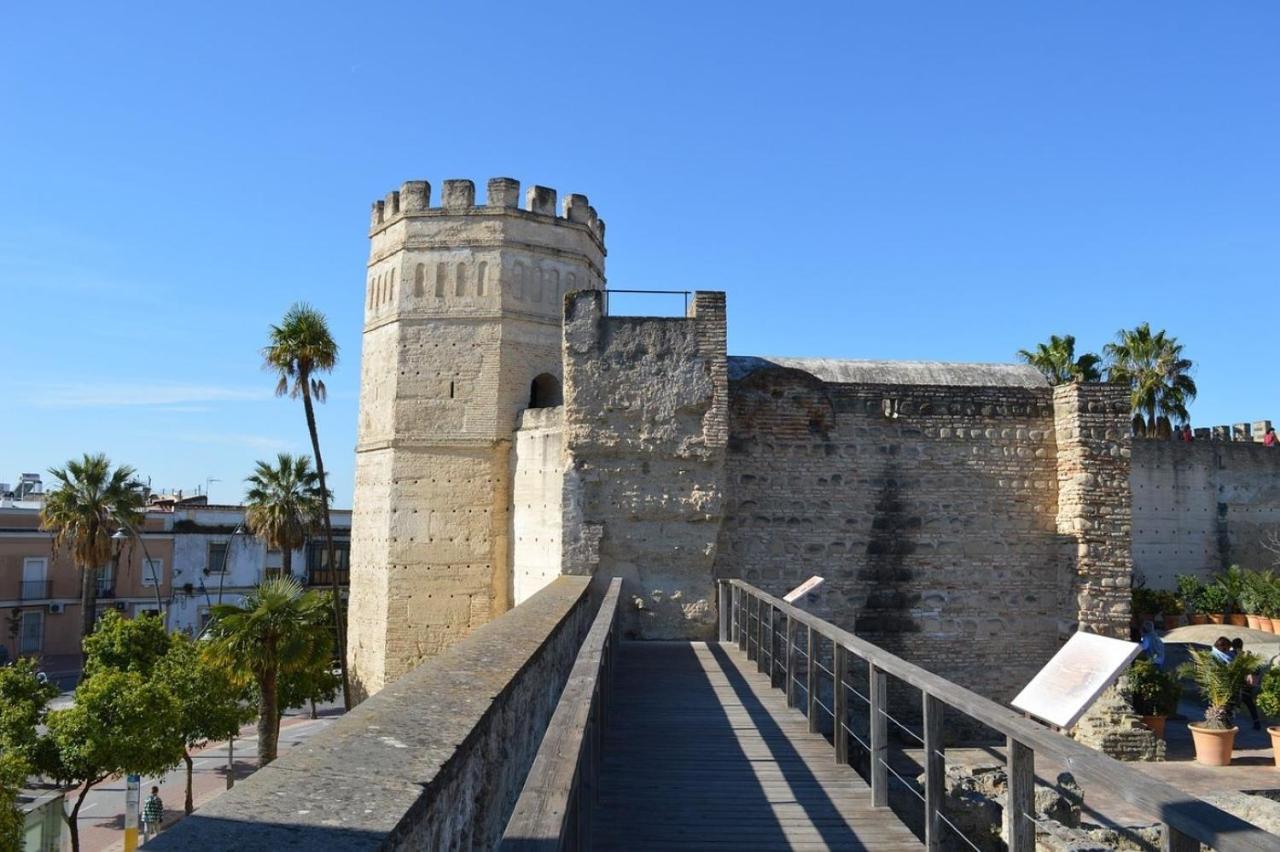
(226, 557)
(121, 535)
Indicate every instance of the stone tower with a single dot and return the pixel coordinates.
(463, 311)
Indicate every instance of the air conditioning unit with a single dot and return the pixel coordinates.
(56, 608)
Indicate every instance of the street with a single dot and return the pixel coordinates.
(101, 817)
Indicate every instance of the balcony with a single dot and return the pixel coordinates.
(324, 577)
(35, 590)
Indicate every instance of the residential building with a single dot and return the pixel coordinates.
(216, 560)
(40, 588)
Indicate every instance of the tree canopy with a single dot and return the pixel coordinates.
(1057, 361)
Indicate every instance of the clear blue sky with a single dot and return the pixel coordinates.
(893, 180)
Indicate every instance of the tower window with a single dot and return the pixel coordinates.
(442, 272)
(462, 280)
(419, 279)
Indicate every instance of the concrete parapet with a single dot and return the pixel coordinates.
(439, 755)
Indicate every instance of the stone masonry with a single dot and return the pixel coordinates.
(462, 314)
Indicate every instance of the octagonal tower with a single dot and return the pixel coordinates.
(462, 321)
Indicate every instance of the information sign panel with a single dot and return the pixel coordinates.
(1075, 677)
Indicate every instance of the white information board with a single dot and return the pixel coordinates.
(1075, 677)
(803, 589)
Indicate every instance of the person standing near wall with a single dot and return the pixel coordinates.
(1269, 439)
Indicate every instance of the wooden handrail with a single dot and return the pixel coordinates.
(1188, 820)
(554, 808)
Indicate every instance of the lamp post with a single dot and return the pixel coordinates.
(226, 557)
(121, 535)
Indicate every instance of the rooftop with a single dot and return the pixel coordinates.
(843, 372)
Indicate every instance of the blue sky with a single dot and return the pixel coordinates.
(946, 181)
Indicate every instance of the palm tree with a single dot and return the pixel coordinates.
(83, 511)
(283, 504)
(1157, 373)
(1058, 362)
(299, 348)
(276, 630)
(1219, 683)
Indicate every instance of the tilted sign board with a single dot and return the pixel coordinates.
(803, 589)
(1075, 677)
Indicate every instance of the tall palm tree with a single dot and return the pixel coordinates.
(276, 630)
(83, 511)
(1157, 373)
(1058, 362)
(299, 348)
(284, 504)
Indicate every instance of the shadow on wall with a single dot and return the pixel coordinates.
(886, 615)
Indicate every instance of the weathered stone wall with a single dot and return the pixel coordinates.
(462, 312)
(1200, 507)
(434, 761)
(1095, 500)
(930, 508)
(644, 432)
(537, 491)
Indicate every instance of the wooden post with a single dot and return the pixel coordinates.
(791, 662)
(840, 704)
(879, 726)
(1019, 801)
(773, 648)
(726, 614)
(811, 682)
(1176, 841)
(752, 633)
(934, 773)
(744, 619)
(760, 634)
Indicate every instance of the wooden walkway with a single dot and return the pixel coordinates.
(699, 753)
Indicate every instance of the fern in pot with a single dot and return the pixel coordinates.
(1269, 705)
(1219, 683)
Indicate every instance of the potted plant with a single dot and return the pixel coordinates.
(1169, 606)
(1219, 683)
(1232, 581)
(1269, 705)
(1191, 590)
(1155, 694)
(1271, 608)
(1144, 606)
(1215, 600)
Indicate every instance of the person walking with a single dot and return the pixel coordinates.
(1246, 696)
(152, 815)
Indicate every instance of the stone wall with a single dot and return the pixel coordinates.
(434, 761)
(537, 491)
(1200, 507)
(1094, 500)
(644, 432)
(929, 507)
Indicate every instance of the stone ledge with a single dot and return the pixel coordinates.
(441, 752)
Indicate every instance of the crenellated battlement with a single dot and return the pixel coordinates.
(1243, 433)
(502, 196)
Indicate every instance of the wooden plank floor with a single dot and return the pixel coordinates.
(699, 753)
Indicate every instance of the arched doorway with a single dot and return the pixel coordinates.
(545, 392)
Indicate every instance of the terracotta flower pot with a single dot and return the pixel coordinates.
(1217, 618)
(1213, 747)
(1253, 622)
(1156, 724)
(1264, 624)
(1275, 743)
(1197, 618)
(1238, 619)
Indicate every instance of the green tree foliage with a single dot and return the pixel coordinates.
(1157, 372)
(83, 511)
(275, 630)
(1058, 362)
(13, 774)
(315, 681)
(211, 705)
(284, 504)
(126, 644)
(298, 350)
(23, 702)
(120, 723)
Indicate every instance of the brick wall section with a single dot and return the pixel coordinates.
(929, 509)
(1095, 500)
(644, 442)
(434, 761)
